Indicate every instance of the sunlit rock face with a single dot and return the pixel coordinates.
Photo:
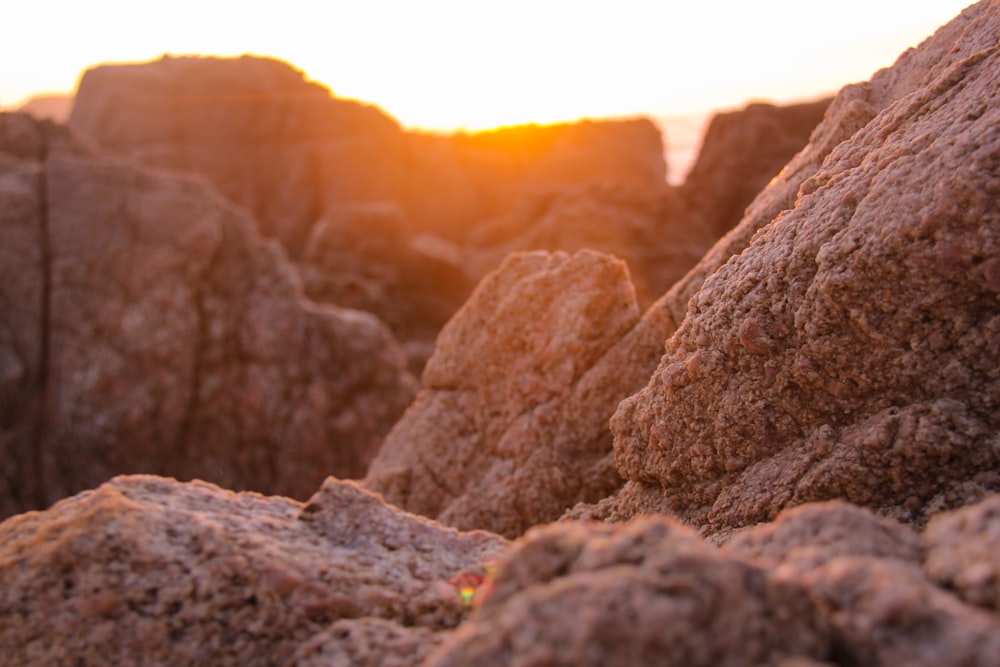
(824, 584)
(510, 428)
(292, 152)
(850, 350)
(148, 328)
(152, 571)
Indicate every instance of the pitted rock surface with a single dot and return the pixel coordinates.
(506, 432)
(151, 571)
(824, 584)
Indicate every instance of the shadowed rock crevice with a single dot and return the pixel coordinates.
(503, 435)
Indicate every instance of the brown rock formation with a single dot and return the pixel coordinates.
(506, 432)
(850, 349)
(291, 152)
(147, 328)
(55, 107)
(367, 257)
(657, 237)
(296, 156)
(825, 584)
(741, 152)
(146, 570)
(961, 552)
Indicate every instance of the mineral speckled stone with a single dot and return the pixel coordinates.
(506, 433)
(851, 349)
(146, 570)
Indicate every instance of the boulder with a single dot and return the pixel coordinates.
(508, 429)
(825, 584)
(842, 340)
(148, 328)
(741, 152)
(961, 552)
(146, 570)
(367, 257)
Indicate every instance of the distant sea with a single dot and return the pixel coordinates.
(682, 136)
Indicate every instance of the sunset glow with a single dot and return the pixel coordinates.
(449, 65)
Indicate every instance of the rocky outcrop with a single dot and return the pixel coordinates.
(506, 432)
(825, 584)
(150, 571)
(848, 350)
(961, 549)
(312, 167)
(148, 328)
(292, 153)
(741, 152)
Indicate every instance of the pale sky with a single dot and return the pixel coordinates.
(450, 64)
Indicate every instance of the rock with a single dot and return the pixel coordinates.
(509, 429)
(290, 151)
(312, 168)
(824, 584)
(367, 257)
(148, 328)
(647, 593)
(849, 349)
(367, 642)
(962, 549)
(49, 107)
(658, 238)
(263, 135)
(147, 570)
(741, 152)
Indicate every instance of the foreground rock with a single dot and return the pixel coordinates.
(826, 584)
(507, 432)
(849, 350)
(145, 570)
(148, 328)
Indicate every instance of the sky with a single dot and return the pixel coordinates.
(448, 64)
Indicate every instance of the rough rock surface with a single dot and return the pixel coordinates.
(502, 437)
(826, 584)
(850, 348)
(146, 570)
(148, 328)
(743, 150)
(657, 237)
